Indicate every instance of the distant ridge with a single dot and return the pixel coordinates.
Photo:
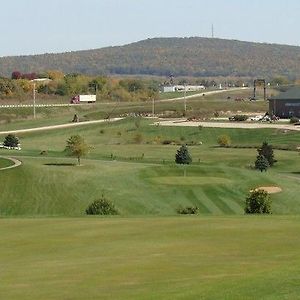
(194, 56)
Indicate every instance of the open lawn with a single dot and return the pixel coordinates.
(141, 177)
(150, 258)
(5, 163)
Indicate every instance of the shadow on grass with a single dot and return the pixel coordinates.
(60, 164)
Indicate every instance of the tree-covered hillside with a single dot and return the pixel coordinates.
(164, 56)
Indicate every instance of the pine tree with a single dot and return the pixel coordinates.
(267, 151)
(261, 163)
(182, 156)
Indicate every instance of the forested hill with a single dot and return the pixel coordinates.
(163, 56)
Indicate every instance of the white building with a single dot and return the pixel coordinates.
(182, 88)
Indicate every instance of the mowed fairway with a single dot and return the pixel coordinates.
(141, 178)
(150, 258)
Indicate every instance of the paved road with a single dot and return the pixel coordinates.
(182, 122)
(59, 126)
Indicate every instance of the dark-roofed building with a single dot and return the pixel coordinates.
(286, 104)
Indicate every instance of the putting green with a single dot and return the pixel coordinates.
(189, 180)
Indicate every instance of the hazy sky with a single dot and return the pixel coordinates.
(34, 26)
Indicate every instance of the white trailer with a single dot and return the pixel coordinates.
(83, 99)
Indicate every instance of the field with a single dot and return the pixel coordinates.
(17, 118)
(150, 258)
(50, 249)
(132, 164)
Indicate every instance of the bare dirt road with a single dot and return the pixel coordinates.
(254, 125)
(59, 126)
(204, 93)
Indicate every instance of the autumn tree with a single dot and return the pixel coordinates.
(77, 147)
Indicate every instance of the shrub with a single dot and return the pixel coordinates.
(101, 206)
(102, 131)
(188, 210)
(224, 140)
(11, 141)
(238, 118)
(258, 202)
(294, 120)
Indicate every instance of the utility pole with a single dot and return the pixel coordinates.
(34, 100)
(185, 99)
(153, 107)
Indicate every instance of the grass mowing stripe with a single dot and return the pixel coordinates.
(214, 194)
(190, 194)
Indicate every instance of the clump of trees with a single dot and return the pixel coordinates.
(258, 202)
(68, 85)
(101, 206)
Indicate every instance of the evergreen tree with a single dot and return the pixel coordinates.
(261, 163)
(183, 156)
(267, 151)
(11, 141)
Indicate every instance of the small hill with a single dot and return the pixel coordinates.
(193, 56)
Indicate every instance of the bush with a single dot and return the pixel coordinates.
(188, 210)
(238, 118)
(224, 141)
(258, 202)
(294, 120)
(11, 141)
(101, 206)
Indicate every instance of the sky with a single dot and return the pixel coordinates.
(34, 26)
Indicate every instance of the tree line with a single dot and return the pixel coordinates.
(67, 85)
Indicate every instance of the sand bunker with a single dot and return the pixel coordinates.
(270, 189)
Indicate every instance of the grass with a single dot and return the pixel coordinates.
(21, 118)
(5, 163)
(150, 258)
(142, 179)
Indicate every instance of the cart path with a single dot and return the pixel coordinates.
(16, 162)
(60, 126)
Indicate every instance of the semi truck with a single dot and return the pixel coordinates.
(83, 99)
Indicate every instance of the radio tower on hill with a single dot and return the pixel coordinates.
(212, 31)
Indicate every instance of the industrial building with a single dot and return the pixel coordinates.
(286, 104)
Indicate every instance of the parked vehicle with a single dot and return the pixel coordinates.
(83, 99)
(257, 118)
